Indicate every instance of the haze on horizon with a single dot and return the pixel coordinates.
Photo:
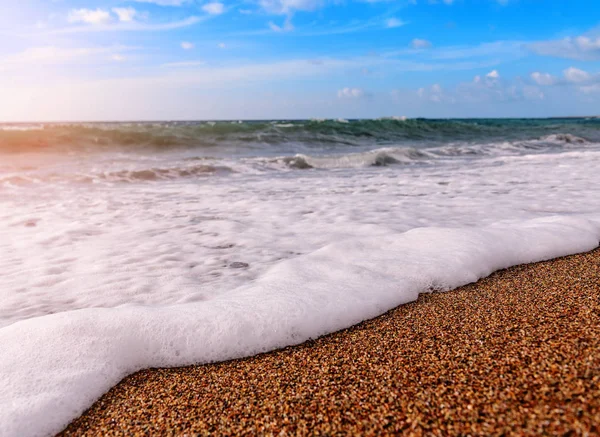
(271, 59)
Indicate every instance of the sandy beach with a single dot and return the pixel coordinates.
(515, 353)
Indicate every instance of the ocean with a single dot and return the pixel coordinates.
(132, 245)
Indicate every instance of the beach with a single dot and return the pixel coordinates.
(516, 353)
(297, 218)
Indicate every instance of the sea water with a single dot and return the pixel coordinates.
(126, 246)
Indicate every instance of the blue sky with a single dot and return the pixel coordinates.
(253, 59)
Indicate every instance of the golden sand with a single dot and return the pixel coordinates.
(513, 354)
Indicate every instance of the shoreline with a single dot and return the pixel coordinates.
(518, 351)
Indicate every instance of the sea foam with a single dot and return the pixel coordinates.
(53, 367)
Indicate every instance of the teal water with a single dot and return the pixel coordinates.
(256, 137)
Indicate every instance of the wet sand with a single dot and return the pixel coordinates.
(516, 353)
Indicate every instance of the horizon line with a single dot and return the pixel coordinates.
(235, 120)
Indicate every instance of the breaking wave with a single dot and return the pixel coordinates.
(564, 138)
(116, 170)
(118, 176)
(411, 155)
(156, 174)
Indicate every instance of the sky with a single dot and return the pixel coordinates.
(84, 60)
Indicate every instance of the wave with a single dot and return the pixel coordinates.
(374, 158)
(384, 157)
(54, 367)
(564, 138)
(310, 133)
(189, 167)
(119, 176)
(156, 174)
(186, 166)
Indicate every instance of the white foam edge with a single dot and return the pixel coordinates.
(54, 367)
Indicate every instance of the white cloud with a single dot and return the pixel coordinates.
(186, 45)
(125, 14)
(89, 16)
(484, 89)
(581, 80)
(222, 45)
(214, 8)
(588, 44)
(490, 81)
(493, 74)
(496, 91)
(118, 58)
(133, 26)
(394, 22)
(420, 43)
(286, 7)
(434, 93)
(576, 75)
(245, 11)
(582, 48)
(543, 78)
(448, 2)
(287, 26)
(352, 93)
